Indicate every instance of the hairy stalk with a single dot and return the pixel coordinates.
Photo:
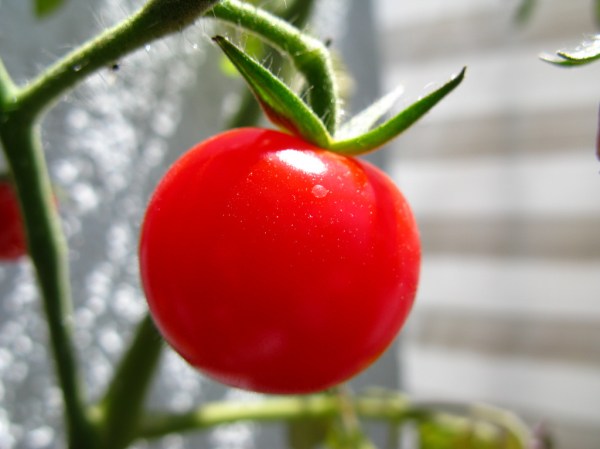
(309, 55)
(156, 19)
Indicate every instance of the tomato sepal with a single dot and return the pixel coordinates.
(281, 105)
(372, 139)
(361, 134)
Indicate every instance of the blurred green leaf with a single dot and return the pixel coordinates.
(465, 435)
(46, 7)
(524, 11)
(307, 433)
(586, 52)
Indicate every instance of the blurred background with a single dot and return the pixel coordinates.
(506, 188)
(502, 176)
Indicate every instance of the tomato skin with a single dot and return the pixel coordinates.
(275, 266)
(12, 235)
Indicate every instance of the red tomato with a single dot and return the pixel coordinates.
(275, 266)
(12, 235)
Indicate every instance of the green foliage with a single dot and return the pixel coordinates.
(588, 51)
(360, 135)
(46, 7)
(524, 11)
(464, 434)
(307, 433)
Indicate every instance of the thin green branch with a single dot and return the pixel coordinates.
(123, 402)
(19, 112)
(20, 139)
(156, 19)
(491, 427)
(226, 412)
(309, 55)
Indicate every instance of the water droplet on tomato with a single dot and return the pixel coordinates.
(319, 191)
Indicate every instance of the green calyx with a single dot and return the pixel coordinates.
(361, 134)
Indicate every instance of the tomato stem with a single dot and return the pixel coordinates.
(47, 248)
(122, 406)
(156, 19)
(309, 55)
(492, 426)
(20, 109)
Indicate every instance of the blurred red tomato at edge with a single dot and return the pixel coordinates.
(12, 236)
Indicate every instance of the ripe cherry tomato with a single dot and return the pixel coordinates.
(12, 236)
(275, 266)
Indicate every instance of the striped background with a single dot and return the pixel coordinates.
(506, 187)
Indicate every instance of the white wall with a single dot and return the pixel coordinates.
(505, 184)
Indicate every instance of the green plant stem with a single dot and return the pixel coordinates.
(309, 55)
(156, 19)
(121, 408)
(226, 412)
(348, 430)
(20, 109)
(393, 434)
(490, 429)
(20, 140)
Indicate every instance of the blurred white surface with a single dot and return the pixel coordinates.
(504, 181)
